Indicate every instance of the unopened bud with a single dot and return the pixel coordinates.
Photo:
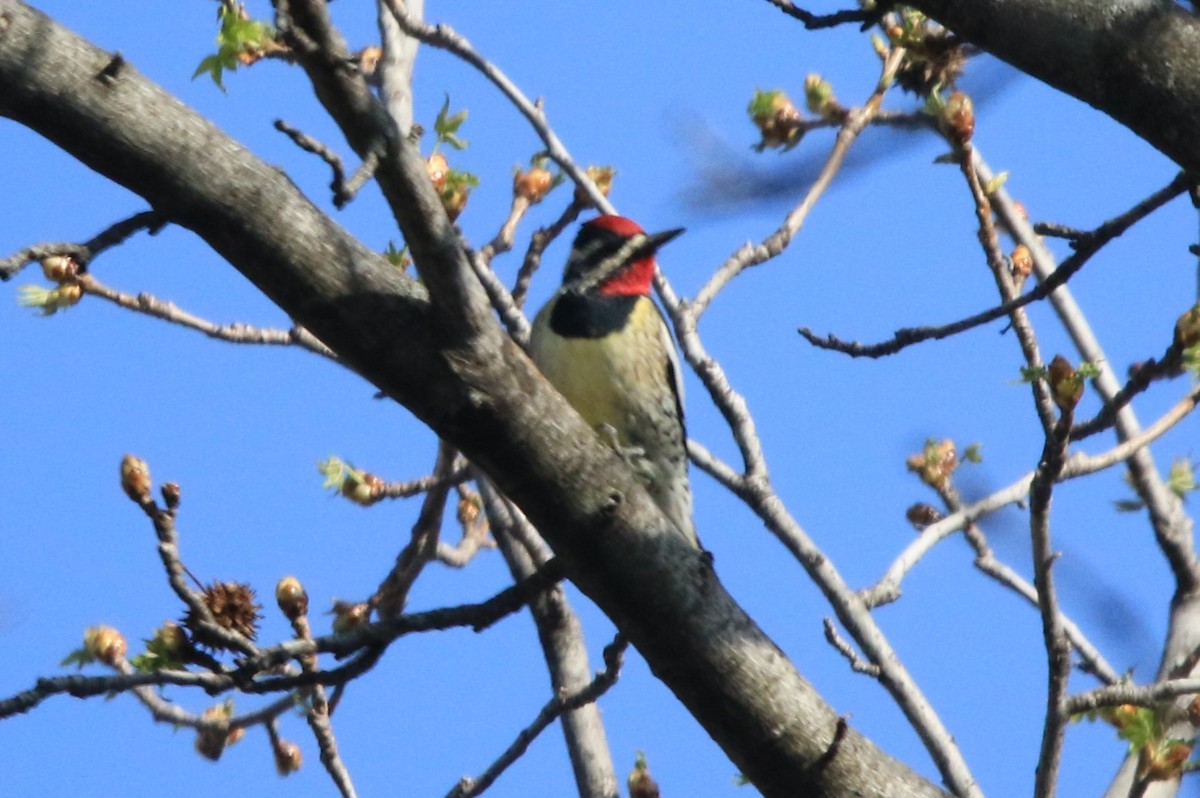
(1193, 711)
(921, 515)
(135, 479)
(287, 758)
(1066, 383)
(348, 615)
(68, 294)
(777, 118)
(935, 463)
(212, 740)
(641, 783)
(171, 493)
(60, 268)
(363, 488)
(291, 597)
(1165, 761)
(169, 641)
(602, 176)
(818, 96)
(533, 185)
(1022, 262)
(958, 118)
(368, 61)
(1187, 328)
(468, 510)
(104, 643)
(438, 168)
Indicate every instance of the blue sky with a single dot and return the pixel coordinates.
(635, 86)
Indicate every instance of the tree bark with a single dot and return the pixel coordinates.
(1138, 62)
(466, 380)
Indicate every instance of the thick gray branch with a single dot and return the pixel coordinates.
(1136, 60)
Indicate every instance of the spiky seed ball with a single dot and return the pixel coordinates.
(233, 607)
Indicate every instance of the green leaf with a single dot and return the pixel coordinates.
(762, 104)
(212, 66)
(1032, 374)
(995, 183)
(446, 126)
(1191, 359)
(80, 657)
(1181, 479)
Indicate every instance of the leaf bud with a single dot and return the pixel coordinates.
(291, 597)
(135, 479)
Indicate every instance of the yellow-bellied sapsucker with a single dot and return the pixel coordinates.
(603, 343)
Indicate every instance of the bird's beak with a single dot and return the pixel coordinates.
(656, 240)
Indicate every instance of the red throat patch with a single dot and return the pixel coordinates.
(633, 280)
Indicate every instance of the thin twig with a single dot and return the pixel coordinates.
(1081, 464)
(564, 648)
(367, 642)
(857, 663)
(1086, 244)
(203, 623)
(996, 262)
(83, 253)
(1172, 525)
(1090, 658)
(502, 301)
(318, 713)
(614, 655)
(235, 333)
(1114, 695)
(445, 38)
(475, 527)
(413, 487)
(343, 189)
(537, 245)
(516, 525)
(887, 589)
(1058, 650)
(1141, 377)
(392, 594)
(817, 21)
(753, 255)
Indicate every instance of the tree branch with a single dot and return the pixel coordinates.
(1137, 62)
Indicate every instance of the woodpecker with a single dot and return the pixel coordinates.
(603, 343)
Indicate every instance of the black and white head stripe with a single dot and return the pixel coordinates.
(599, 253)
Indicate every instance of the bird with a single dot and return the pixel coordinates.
(603, 343)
